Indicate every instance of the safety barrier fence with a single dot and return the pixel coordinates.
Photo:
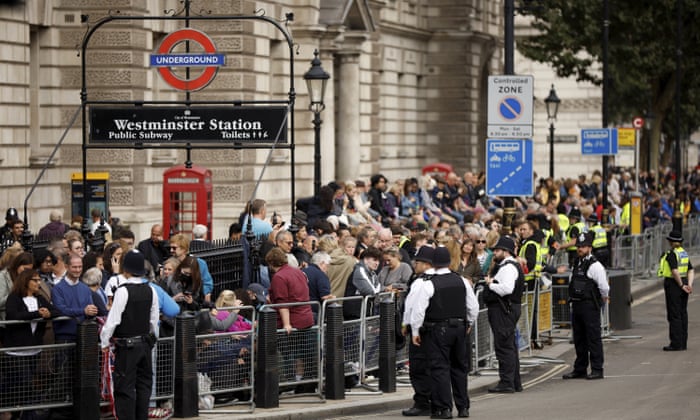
(641, 253)
(225, 367)
(248, 369)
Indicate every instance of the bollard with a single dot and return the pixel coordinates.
(266, 369)
(186, 397)
(387, 346)
(620, 299)
(86, 389)
(335, 353)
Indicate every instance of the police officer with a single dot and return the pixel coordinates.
(503, 296)
(446, 308)
(576, 227)
(600, 240)
(131, 326)
(588, 290)
(676, 269)
(418, 367)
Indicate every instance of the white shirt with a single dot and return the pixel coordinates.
(597, 273)
(422, 300)
(121, 296)
(410, 302)
(504, 281)
(113, 283)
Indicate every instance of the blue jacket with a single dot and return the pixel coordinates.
(207, 280)
(70, 301)
(167, 304)
(319, 285)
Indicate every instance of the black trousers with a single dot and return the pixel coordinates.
(503, 327)
(585, 324)
(676, 313)
(447, 350)
(132, 378)
(419, 373)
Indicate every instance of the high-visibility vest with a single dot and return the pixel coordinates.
(601, 236)
(537, 269)
(681, 257)
(545, 245)
(563, 222)
(581, 228)
(625, 215)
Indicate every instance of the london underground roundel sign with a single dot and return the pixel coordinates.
(210, 60)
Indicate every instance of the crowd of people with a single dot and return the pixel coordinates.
(354, 238)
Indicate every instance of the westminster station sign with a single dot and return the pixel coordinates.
(188, 125)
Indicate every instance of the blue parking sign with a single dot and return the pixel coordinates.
(599, 141)
(509, 168)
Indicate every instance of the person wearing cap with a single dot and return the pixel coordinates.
(600, 240)
(576, 227)
(445, 309)
(132, 327)
(257, 294)
(588, 291)
(418, 366)
(503, 296)
(677, 270)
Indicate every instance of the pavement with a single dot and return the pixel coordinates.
(538, 366)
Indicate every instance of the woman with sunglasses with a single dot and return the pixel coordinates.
(483, 255)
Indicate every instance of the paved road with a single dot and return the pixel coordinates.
(642, 382)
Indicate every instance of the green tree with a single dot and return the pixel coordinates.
(641, 59)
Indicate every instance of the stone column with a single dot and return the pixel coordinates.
(348, 115)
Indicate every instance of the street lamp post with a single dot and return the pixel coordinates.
(316, 80)
(552, 102)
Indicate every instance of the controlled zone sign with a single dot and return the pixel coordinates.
(509, 168)
(599, 141)
(510, 107)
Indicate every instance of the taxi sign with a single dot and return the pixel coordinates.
(509, 168)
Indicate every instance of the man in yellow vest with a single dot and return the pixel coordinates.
(576, 227)
(600, 240)
(676, 269)
(530, 256)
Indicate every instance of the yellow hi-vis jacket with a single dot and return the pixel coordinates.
(681, 257)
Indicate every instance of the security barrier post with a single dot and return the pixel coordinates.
(335, 353)
(267, 369)
(387, 346)
(186, 397)
(86, 391)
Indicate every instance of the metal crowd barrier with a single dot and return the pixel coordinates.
(545, 323)
(227, 358)
(352, 335)
(300, 357)
(39, 381)
(524, 327)
(605, 330)
(482, 339)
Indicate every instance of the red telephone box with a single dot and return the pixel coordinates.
(187, 200)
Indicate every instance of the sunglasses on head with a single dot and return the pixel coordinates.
(480, 241)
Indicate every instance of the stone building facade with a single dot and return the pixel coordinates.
(408, 87)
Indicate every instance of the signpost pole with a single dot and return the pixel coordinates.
(636, 159)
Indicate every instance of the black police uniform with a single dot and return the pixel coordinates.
(676, 300)
(447, 342)
(504, 313)
(132, 364)
(419, 369)
(585, 318)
